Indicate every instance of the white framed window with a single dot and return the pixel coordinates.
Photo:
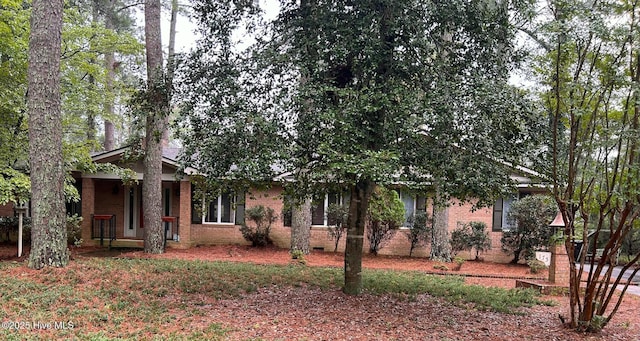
(501, 211)
(320, 207)
(412, 203)
(219, 210)
(226, 209)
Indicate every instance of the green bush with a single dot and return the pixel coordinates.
(74, 230)
(338, 215)
(9, 228)
(386, 214)
(298, 255)
(419, 232)
(535, 266)
(469, 236)
(262, 218)
(531, 215)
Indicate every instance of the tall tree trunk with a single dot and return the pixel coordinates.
(171, 60)
(360, 195)
(48, 232)
(155, 126)
(440, 247)
(109, 59)
(363, 189)
(91, 111)
(301, 226)
(171, 56)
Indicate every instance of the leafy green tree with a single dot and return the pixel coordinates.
(351, 95)
(100, 52)
(83, 43)
(531, 217)
(589, 71)
(386, 215)
(14, 152)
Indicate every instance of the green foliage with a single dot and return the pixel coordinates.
(15, 186)
(459, 261)
(298, 255)
(531, 215)
(14, 39)
(87, 87)
(127, 175)
(9, 228)
(592, 98)
(141, 299)
(469, 236)
(334, 99)
(419, 231)
(83, 87)
(386, 215)
(535, 266)
(262, 218)
(74, 230)
(441, 267)
(338, 214)
(342, 94)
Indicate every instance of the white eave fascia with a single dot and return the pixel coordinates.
(139, 176)
(109, 154)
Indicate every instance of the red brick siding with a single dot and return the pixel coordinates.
(184, 213)
(399, 245)
(106, 202)
(6, 210)
(216, 234)
(108, 197)
(458, 213)
(88, 205)
(221, 234)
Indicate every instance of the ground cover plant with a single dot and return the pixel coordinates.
(216, 294)
(132, 298)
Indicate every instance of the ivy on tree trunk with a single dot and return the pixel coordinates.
(48, 232)
(360, 195)
(155, 127)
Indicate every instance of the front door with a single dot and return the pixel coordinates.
(166, 211)
(132, 217)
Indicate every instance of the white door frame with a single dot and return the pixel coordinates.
(131, 211)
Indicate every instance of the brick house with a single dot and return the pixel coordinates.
(112, 212)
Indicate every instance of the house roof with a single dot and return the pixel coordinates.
(170, 154)
(169, 157)
(523, 176)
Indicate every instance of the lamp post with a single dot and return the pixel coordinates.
(557, 223)
(21, 209)
(558, 270)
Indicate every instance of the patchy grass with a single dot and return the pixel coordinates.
(106, 299)
(451, 288)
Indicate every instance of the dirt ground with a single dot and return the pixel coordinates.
(291, 314)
